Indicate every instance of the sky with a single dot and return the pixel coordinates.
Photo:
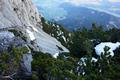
(53, 6)
(77, 2)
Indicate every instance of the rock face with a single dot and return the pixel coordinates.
(26, 63)
(23, 15)
(7, 41)
(18, 13)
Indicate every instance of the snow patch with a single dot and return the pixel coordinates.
(56, 55)
(113, 24)
(31, 35)
(94, 59)
(83, 60)
(100, 47)
(64, 38)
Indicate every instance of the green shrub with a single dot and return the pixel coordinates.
(10, 61)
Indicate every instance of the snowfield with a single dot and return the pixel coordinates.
(100, 47)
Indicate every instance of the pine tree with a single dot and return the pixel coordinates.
(105, 66)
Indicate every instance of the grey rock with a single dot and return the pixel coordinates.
(14, 13)
(23, 15)
(8, 40)
(26, 63)
(5, 39)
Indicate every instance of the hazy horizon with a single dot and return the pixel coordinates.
(47, 6)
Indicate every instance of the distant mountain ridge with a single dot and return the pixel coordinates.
(80, 17)
(73, 17)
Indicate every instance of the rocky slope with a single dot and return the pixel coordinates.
(21, 30)
(23, 15)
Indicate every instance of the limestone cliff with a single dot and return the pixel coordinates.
(23, 15)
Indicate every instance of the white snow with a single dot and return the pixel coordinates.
(70, 34)
(83, 59)
(94, 59)
(56, 55)
(31, 35)
(57, 26)
(59, 32)
(64, 38)
(100, 47)
(112, 23)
